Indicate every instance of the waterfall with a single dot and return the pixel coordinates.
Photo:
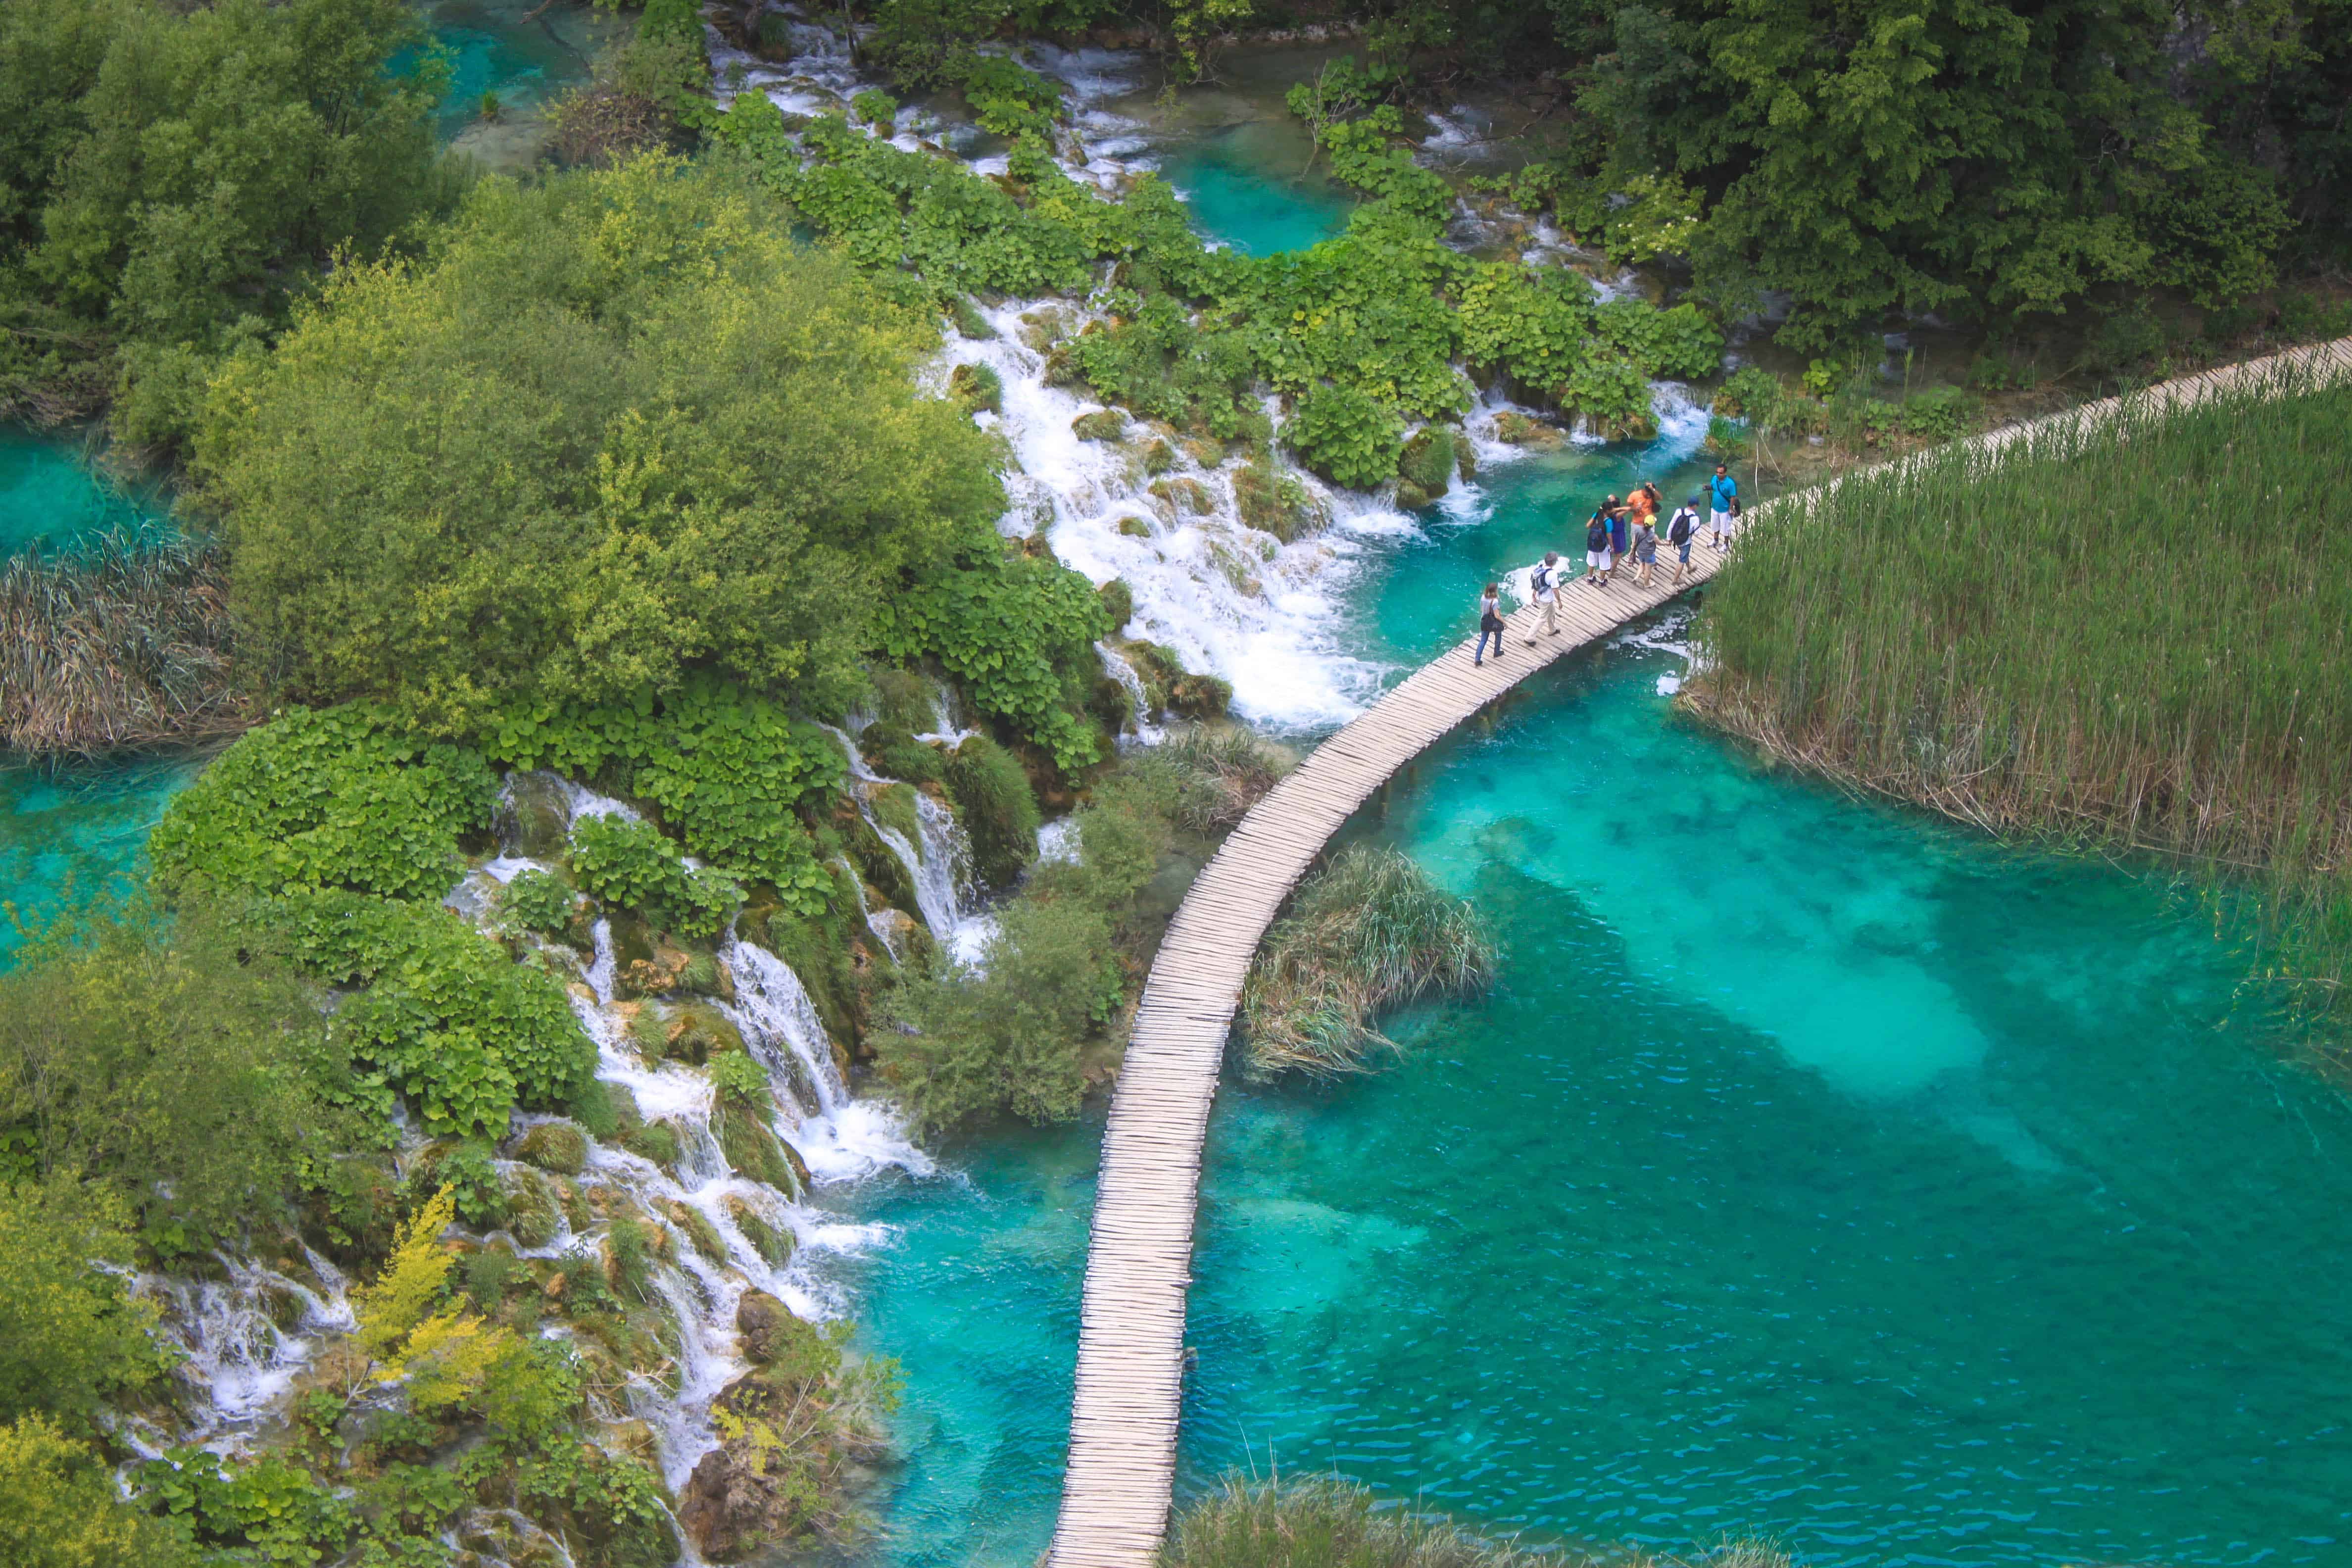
(1138, 722)
(938, 866)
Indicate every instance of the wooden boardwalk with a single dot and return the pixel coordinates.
(1130, 1368)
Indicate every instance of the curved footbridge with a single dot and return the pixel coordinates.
(1130, 1371)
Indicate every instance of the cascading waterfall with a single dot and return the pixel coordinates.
(938, 861)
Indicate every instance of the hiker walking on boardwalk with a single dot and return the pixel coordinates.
(1597, 555)
(1725, 489)
(1545, 581)
(1618, 525)
(1681, 529)
(1490, 622)
(1645, 550)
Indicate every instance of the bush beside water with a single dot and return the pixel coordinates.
(2129, 636)
(1368, 932)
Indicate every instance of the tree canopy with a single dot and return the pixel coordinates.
(618, 427)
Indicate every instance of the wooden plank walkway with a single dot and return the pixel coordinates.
(1130, 1367)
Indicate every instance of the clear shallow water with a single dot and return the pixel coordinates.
(1815, 1169)
(73, 837)
(1245, 186)
(76, 837)
(50, 499)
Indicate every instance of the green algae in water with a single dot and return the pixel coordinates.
(1813, 1169)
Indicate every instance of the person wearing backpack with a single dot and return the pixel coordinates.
(1620, 526)
(1726, 491)
(1681, 529)
(1645, 550)
(1545, 581)
(1597, 555)
(1490, 622)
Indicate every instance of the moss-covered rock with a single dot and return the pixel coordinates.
(892, 751)
(1274, 502)
(1135, 527)
(762, 1323)
(996, 807)
(1205, 450)
(1411, 497)
(533, 816)
(894, 807)
(823, 952)
(657, 1140)
(1158, 456)
(695, 1227)
(555, 1146)
(772, 1243)
(534, 1214)
(696, 1031)
(906, 699)
(755, 1151)
(968, 321)
(977, 387)
(1108, 424)
(1520, 429)
(1427, 462)
(1118, 602)
(576, 1212)
(1187, 495)
(880, 864)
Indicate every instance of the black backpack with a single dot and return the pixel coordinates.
(1596, 537)
(1681, 528)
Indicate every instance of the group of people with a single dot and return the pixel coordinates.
(1618, 532)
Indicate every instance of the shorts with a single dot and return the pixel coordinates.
(1682, 552)
(1726, 523)
(1598, 559)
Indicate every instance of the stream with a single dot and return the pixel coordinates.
(1814, 1169)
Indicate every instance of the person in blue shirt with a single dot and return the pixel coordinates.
(1618, 528)
(1724, 491)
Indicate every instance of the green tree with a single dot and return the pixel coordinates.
(621, 428)
(169, 1064)
(59, 1507)
(69, 1334)
(1917, 155)
(231, 149)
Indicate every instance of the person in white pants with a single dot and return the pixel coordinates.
(1545, 581)
(1724, 503)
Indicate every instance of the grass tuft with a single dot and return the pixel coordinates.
(123, 644)
(1325, 1522)
(1368, 932)
(2130, 634)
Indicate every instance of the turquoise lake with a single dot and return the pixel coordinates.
(1815, 1170)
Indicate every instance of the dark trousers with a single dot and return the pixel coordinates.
(1495, 631)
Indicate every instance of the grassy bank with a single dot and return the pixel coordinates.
(2130, 637)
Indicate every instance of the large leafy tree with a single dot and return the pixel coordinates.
(621, 428)
(1954, 155)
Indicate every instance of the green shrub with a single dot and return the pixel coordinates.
(1012, 1039)
(1346, 435)
(718, 489)
(446, 1019)
(1019, 634)
(539, 901)
(874, 107)
(633, 865)
(738, 1079)
(727, 768)
(59, 1507)
(1940, 414)
(997, 808)
(338, 798)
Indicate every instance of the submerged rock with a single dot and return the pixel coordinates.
(772, 1244)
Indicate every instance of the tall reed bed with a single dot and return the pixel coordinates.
(1324, 1522)
(1368, 932)
(2129, 633)
(123, 644)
